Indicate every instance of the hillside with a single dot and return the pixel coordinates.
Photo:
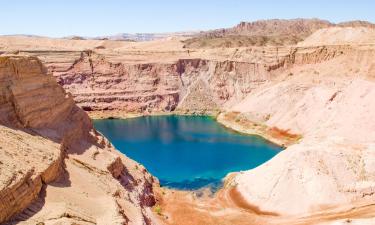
(273, 32)
(340, 36)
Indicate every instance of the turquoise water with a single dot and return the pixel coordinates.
(186, 152)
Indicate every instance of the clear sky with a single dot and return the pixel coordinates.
(58, 18)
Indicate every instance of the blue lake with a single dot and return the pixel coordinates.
(186, 152)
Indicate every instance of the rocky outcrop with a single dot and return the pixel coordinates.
(21, 183)
(54, 139)
(41, 158)
(329, 104)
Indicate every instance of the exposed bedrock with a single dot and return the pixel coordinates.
(101, 81)
(194, 84)
(53, 165)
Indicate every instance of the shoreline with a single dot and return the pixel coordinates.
(234, 195)
(273, 135)
(219, 117)
(192, 207)
(176, 207)
(126, 115)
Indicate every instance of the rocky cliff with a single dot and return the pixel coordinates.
(139, 79)
(187, 85)
(315, 97)
(54, 167)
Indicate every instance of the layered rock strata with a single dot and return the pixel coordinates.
(317, 97)
(118, 78)
(54, 167)
(191, 84)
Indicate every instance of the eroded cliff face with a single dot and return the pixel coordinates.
(319, 98)
(54, 167)
(187, 84)
(102, 82)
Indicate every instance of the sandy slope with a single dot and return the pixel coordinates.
(331, 105)
(340, 36)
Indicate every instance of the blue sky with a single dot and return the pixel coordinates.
(94, 17)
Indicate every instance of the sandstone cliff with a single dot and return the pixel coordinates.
(317, 96)
(188, 85)
(141, 77)
(54, 167)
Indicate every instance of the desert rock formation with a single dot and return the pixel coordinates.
(329, 103)
(160, 76)
(316, 97)
(274, 32)
(47, 147)
(297, 27)
(280, 27)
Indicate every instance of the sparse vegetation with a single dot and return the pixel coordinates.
(158, 210)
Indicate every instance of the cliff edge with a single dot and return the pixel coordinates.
(54, 167)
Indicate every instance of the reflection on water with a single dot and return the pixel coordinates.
(186, 152)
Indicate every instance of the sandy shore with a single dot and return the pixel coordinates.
(227, 207)
(242, 125)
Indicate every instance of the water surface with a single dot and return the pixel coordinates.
(186, 152)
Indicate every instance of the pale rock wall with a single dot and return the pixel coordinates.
(48, 145)
(101, 82)
(331, 105)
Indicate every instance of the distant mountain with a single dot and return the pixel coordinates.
(146, 36)
(300, 27)
(356, 23)
(266, 32)
(22, 35)
(261, 32)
